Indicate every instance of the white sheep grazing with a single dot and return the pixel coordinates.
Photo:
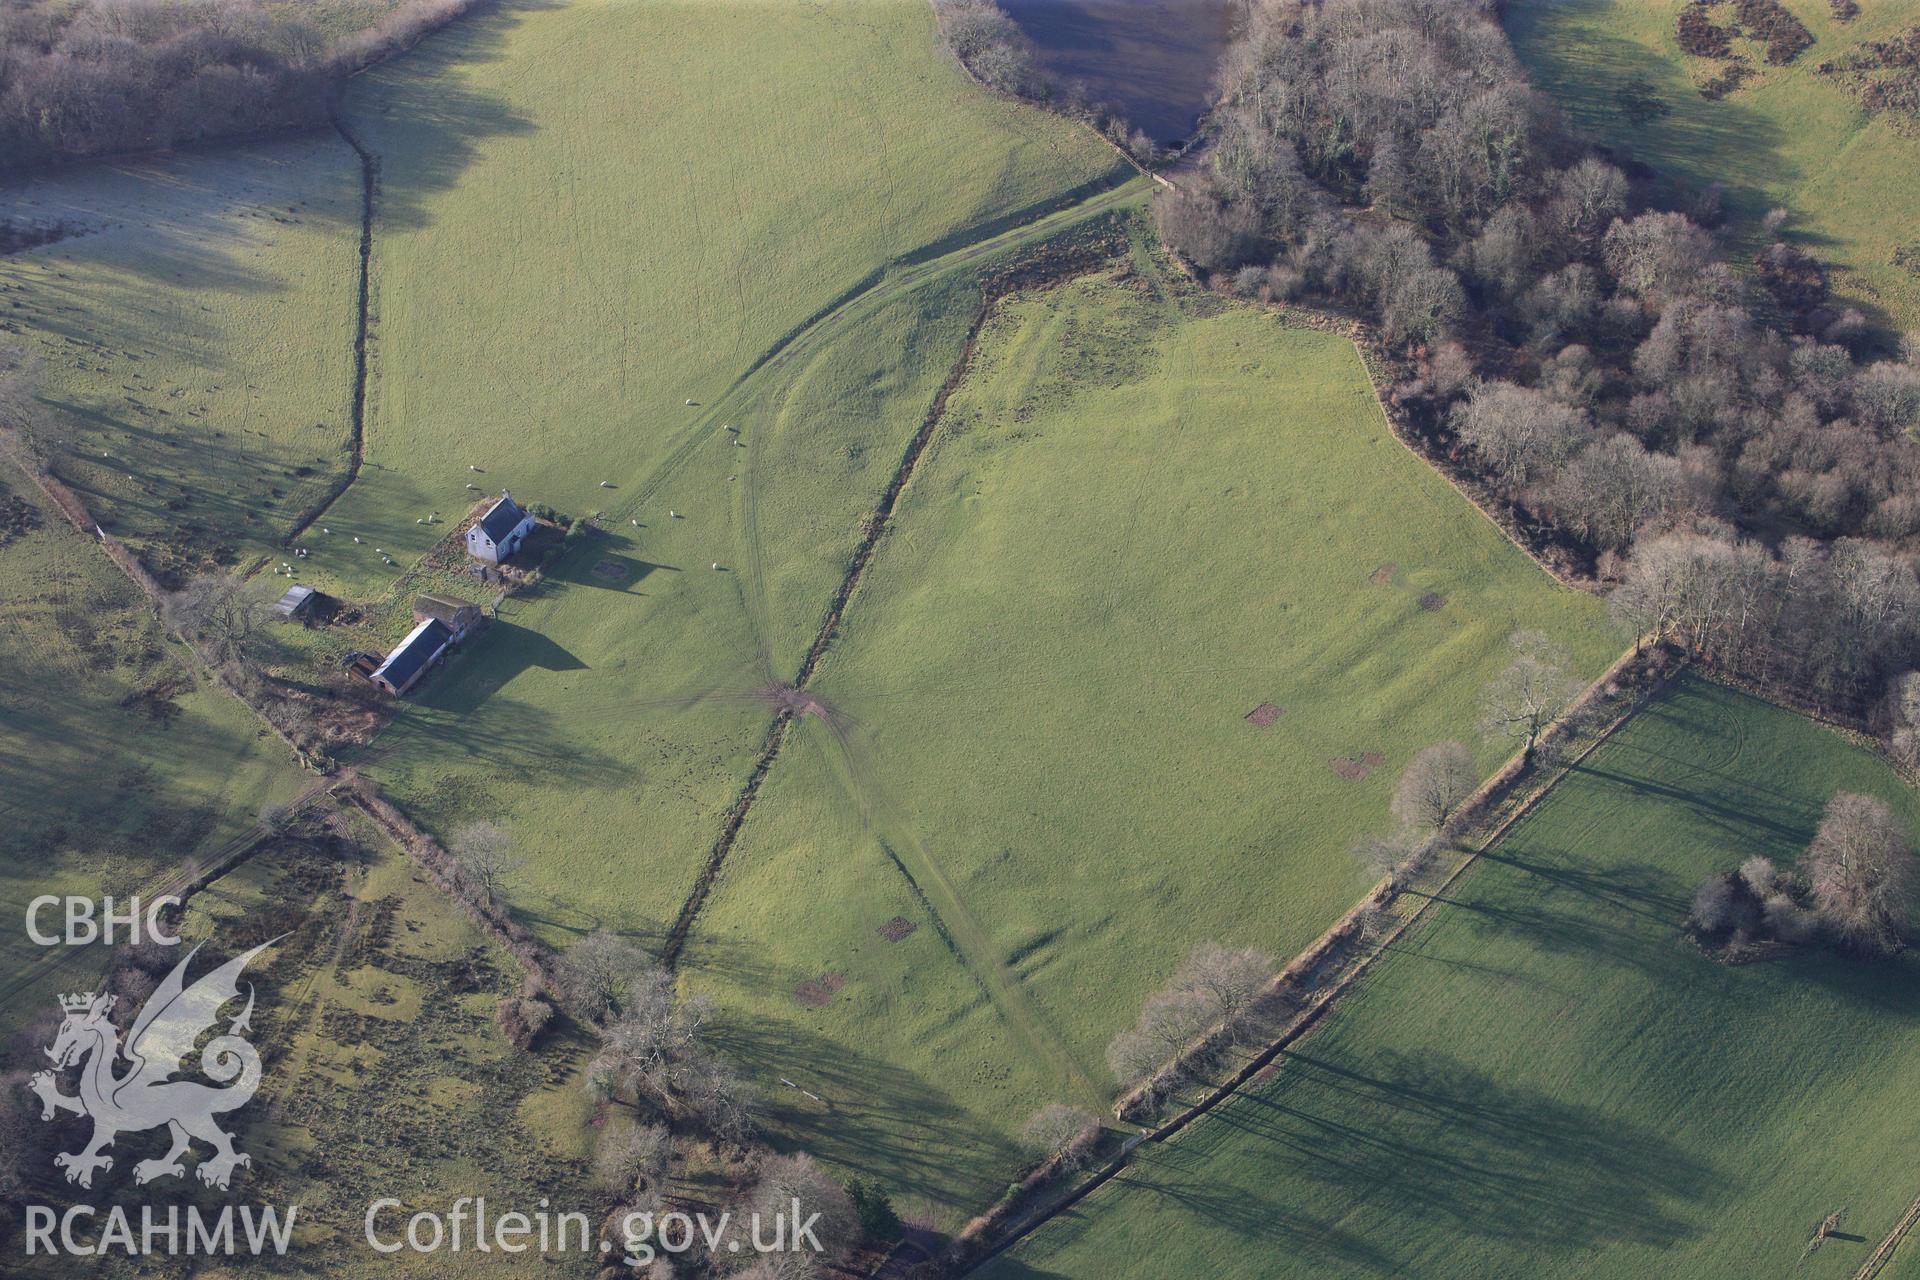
(471, 467)
(326, 530)
(356, 537)
(634, 523)
(672, 514)
(606, 484)
(716, 564)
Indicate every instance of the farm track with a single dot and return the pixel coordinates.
(884, 285)
(954, 922)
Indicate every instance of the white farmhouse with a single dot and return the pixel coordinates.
(496, 535)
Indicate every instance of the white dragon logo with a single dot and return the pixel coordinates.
(144, 1096)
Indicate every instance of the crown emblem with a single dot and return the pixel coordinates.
(81, 1001)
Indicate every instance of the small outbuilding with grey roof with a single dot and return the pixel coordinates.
(499, 533)
(412, 656)
(297, 603)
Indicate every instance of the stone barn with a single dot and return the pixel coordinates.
(412, 657)
(462, 617)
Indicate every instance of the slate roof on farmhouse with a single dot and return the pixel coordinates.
(414, 652)
(502, 518)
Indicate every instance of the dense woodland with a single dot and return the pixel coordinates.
(96, 77)
(1723, 441)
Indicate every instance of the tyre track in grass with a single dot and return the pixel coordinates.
(951, 919)
(884, 284)
(895, 279)
(963, 934)
(779, 730)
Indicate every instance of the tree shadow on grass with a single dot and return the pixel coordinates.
(1435, 1138)
(1694, 139)
(875, 1118)
(422, 117)
(508, 736)
(1565, 907)
(1188, 1179)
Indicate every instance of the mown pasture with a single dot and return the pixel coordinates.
(1143, 515)
(1546, 1076)
(558, 268)
(195, 318)
(121, 763)
(1787, 138)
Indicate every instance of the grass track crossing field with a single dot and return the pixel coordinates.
(1142, 516)
(780, 212)
(1790, 137)
(1545, 1078)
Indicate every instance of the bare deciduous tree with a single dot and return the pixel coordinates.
(485, 854)
(222, 614)
(1217, 987)
(1534, 688)
(784, 1181)
(1171, 1020)
(1519, 432)
(1063, 1131)
(1860, 872)
(1396, 857)
(1229, 980)
(601, 968)
(1657, 255)
(990, 44)
(1435, 782)
(1760, 874)
(1903, 715)
(633, 1157)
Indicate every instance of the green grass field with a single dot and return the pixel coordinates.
(1143, 516)
(1546, 1078)
(197, 329)
(557, 270)
(119, 764)
(1788, 138)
